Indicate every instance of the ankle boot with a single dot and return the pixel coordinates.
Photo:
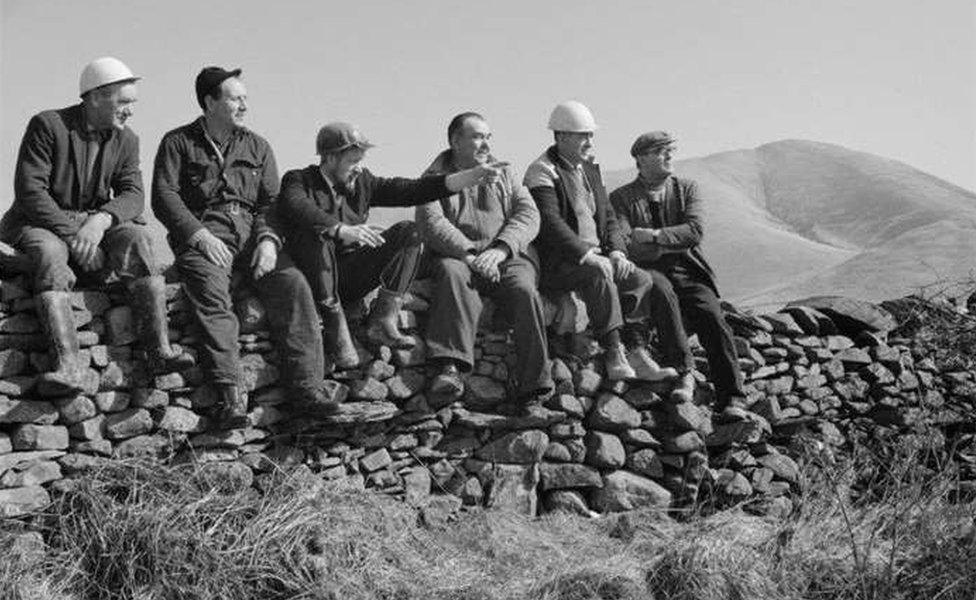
(312, 401)
(148, 303)
(616, 363)
(685, 390)
(381, 327)
(68, 377)
(231, 407)
(646, 368)
(336, 337)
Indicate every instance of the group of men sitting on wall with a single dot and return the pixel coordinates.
(305, 246)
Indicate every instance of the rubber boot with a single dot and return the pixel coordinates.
(616, 363)
(68, 377)
(646, 368)
(381, 327)
(336, 336)
(231, 407)
(148, 303)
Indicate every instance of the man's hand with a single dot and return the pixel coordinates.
(486, 264)
(622, 266)
(215, 250)
(264, 259)
(603, 263)
(84, 245)
(360, 235)
(487, 173)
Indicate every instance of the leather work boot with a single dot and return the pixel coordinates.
(312, 402)
(148, 303)
(685, 390)
(647, 369)
(616, 363)
(68, 377)
(231, 408)
(381, 327)
(336, 337)
(448, 381)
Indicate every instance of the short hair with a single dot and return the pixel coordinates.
(215, 92)
(104, 91)
(458, 122)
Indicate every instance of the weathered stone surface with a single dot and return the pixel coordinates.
(5, 444)
(40, 437)
(368, 389)
(357, 412)
(376, 460)
(76, 409)
(256, 372)
(612, 413)
(518, 447)
(645, 462)
(568, 475)
(226, 477)
(483, 393)
(114, 401)
(510, 487)
(405, 384)
(781, 465)
(27, 411)
(604, 450)
(556, 452)
(851, 316)
(568, 501)
(89, 429)
(751, 430)
(640, 438)
(623, 490)
(783, 323)
(683, 443)
(12, 362)
(15, 502)
(688, 417)
(129, 423)
(181, 420)
(149, 398)
(37, 473)
(587, 382)
(568, 404)
(416, 485)
(17, 385)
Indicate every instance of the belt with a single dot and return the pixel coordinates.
(232, 207)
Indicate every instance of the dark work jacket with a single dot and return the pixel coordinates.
(47, 182)
(188, 179)
(681, 227)
(308, 205)
(558, 238)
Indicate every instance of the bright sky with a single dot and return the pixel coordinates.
(891, 77)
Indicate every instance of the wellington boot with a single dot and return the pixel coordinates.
(231, 407)
(616, 363)
(148, 303)
(646, 368)
(336, 337)
(381, 327)
(685, 390)
(69, 375)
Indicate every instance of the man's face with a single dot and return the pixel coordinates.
(229, 109)
(113, 106)
(344, 167)
(470, 145)
(575, 147)
(656, 163)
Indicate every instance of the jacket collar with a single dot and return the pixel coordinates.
(645, 185)
(445, 163)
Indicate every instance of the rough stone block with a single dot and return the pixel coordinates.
(110, 402)
(40, 437)
(612, 413)
(518, 447)
(568, 475)
(27, 411)
(181, 420)
(128, 424)
(76, 409)
(604, 450)
(37, 473)
(375, 461)
(20, 501)
(624, 491)
(89, 429)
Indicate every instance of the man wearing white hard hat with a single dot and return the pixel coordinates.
(582, 250)
(78, 201)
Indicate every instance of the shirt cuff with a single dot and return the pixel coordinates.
(193, 239)
(270, 236)
(592, 250)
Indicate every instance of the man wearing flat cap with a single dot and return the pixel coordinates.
(215, 184)
(324, 210)
(662, 220)
(77, 216)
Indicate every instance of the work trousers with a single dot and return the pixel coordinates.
(643, 297)
(457, 305)
(346, 275)
(126, 246)
(701, 310)
(292, 318)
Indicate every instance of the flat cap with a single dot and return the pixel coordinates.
(211, 77)
(337, 136)
(650, 141)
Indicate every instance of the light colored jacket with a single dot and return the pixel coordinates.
(479, 216)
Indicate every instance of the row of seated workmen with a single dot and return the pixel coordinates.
(306, 244)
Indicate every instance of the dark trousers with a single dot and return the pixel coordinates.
(701, 310)
(127, 248)
(338, 274)
(457, 306)
(645, 296)
(292, 318)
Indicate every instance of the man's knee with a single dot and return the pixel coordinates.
(452, 270)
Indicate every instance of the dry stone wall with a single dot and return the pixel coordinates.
(597, 447)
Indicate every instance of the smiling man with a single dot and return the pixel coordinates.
(479, 243)
(662, 221)
(215, 184)
(325, 209)
(78, 202)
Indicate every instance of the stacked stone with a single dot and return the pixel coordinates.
(595, 447)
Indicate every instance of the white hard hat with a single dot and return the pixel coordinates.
(103, 71)
(572, 116)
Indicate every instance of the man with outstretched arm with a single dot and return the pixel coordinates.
(479, 244)
(215, 184)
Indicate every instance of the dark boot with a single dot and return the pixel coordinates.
(231, 407)
(312, 402)
(148, 302)
(381, 327)
(448, 381)
(336, 336)
(69, 375)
